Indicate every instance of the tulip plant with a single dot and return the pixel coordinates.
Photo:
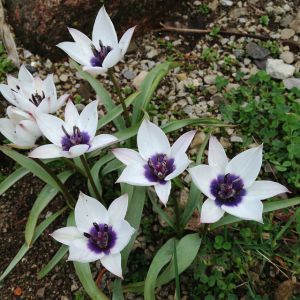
(140, 158)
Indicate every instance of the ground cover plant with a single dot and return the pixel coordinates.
(102, 223)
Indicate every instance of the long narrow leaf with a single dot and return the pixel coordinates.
(43, 199)
(268, 207)
(113, 165)
(24, 249)
(12, 179)
(101, 92)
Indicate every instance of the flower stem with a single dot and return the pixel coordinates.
(122, 100)
(72, 166)
(90, 177)
(68, 197)
(177, 216)
(177, 281)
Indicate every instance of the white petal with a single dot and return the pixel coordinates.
(246, 165)
(28, 130)
(163, 191)
(24, 103)
(51, 128)
(135, 175)
(82, 41)
(71, 114)
(78, 150)
(104, 30)
(124, 233)
(102, 141)
(13, 82)
(128, 156)
(182, 143)
(112, 58)
(125, 40)
(113, 264)
(216, 155)
(264, 189)
(181, 162)
(117, 209)
(75, 52)
(94, 71)
(46, 151)
(17, 114)
(152, 140)
(87, 211)
(88, 119)
(24, 74)
(203, 176)
(247, 210)
(61, 101)
(82, 254)
(7, 94)
(67, 235)
(210, 212)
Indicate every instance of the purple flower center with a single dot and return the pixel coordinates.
(228, 189)
(76, 138)
(99, 55)
(159, 166)
(101, 238)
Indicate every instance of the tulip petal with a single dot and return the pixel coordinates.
(125, 40)
(67, 235)
(152, 140)
(88, 119)
(77, 150)
(104, 30)
(117, 209)
(113, 264)
(28, 130)
(181, 162)
(264, 189)
(163, 191)
(82, 254)
(75, 52)
(24, 74)
(210, 212)
(7, 93)
(203, 176)
(61, 101)
(13, 82)
(182, 143)
(135, 175)
(71, 114)
(124, 233)
(112, 58)
(247, 210)
(52, 128)
(87, 211)
(46, 151)
(102, 141)
(17, 115)
(128, 156)
(216, 155)
(82, 41)
(246, 165)
(94, 71)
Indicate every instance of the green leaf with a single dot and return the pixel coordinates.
(187, 249)
(101, 92)
(54, 261)
(12, 179)
(268, 207)
(30, 165)
(117, 111)
(113, 165)
(162, 257)
(84, 274)
(137, 197)
(43, 199)
(148, 88)
(24, 249)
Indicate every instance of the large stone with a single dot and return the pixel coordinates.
(287, 33)
(287, 57)
(276, 68)
(290, 83)
(257, 52)
(40, 25)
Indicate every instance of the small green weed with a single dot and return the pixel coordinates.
(209, 55)
(264, 20)
(6, 65)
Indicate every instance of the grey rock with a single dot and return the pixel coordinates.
(290, 83)
(213, 5)
(286, 20)
(152, 53)
(238, 53)
(210, 79)
(236, 139)
(40, 293)
(63, 77)
(238, 12)
(287, 57)
(226, 2)
(128, 74)
(217, 98)
(256, 52)
(261, 63)
(31, 68)
(287, 33)
(276, 68)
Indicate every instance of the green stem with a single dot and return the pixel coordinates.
(177, 217)
(177, 281)
(90, 177)
(122, 100)
(68, 197)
